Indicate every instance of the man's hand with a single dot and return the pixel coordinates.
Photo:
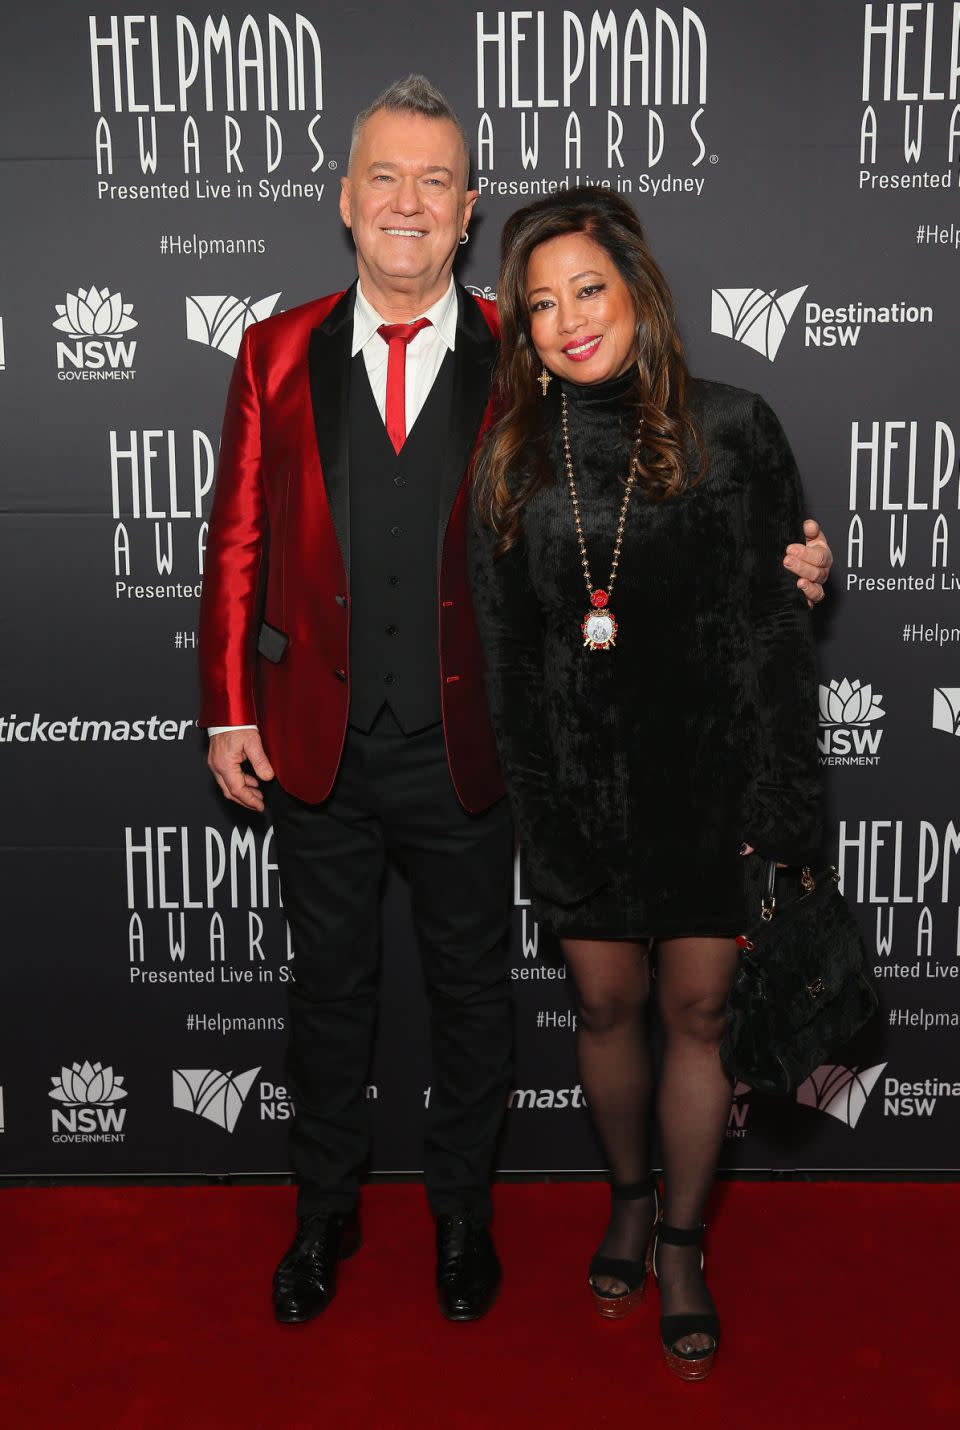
(811, 563)
(226, 756)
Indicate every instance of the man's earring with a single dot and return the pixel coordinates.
(464, 238)
(544, 380)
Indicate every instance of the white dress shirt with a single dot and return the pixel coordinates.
(425, 353)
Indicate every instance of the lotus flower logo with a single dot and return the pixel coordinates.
(220, 322)
(754, 317)
(840, 1092)
(946, 709)
(87, 1085)
(845, 702)
(90, 313)
(217, 1096)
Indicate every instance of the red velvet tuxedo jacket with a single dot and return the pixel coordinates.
(275, 608)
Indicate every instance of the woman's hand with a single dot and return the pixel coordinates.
(810, 562)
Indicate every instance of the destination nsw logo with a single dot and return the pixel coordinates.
(839, 1092)
(96, 320)
(759, 318)
(217, 1096)
(848, 733)
(946, 709)
(87, 1094)
(220, 321)
(753, 317)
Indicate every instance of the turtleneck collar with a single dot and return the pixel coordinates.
(597, 394)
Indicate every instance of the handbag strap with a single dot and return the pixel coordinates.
(768, 898)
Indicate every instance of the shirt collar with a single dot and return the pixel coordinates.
(443, 316)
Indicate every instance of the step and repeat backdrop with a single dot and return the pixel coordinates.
(170, 178)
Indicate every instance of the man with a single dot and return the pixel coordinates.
(337, 550)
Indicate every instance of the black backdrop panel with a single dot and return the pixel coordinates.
(171, 177)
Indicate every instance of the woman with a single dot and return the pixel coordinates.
(650, 672)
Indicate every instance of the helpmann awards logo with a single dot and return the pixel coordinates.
(217, 1096)
(87, 1094)
(220, 322)
(96, 320)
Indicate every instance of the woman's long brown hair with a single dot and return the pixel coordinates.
(512, 464)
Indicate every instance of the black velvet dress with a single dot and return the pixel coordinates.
(636, 773)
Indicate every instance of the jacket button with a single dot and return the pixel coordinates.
(389, 680)
(340, 674)
(446, 603)
(341, 599)
(452, 679)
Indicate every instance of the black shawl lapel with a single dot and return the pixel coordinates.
(329, 363)
(474, 356)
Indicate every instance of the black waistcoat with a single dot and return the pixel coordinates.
(394, 513)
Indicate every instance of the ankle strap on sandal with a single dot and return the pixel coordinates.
(632, 1191)
(680, 1235)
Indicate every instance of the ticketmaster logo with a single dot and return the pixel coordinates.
(754, 317)
(217, 1096)
(840, 1092)
(220, 322)
(551, 1097)
(75, 730)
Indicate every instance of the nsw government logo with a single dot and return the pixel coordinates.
(87, 1094)
(96, 321)
(739, 1111)
(839, 1092)
(848, 710)
(217, 1096)
(219, 321)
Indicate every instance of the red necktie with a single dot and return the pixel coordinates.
(397, 336)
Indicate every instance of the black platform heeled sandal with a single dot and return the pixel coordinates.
(614, 1304)
(691, 1364)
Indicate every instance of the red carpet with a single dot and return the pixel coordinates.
(150, 1308)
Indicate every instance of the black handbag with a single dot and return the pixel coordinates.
(801, 991)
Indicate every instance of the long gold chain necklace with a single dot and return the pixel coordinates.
(599, 627)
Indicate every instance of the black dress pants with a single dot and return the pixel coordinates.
(394, 796)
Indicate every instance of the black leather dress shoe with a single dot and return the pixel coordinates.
(305, 1282)
(468, 1272)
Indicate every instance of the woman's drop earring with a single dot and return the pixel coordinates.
(544, 380)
